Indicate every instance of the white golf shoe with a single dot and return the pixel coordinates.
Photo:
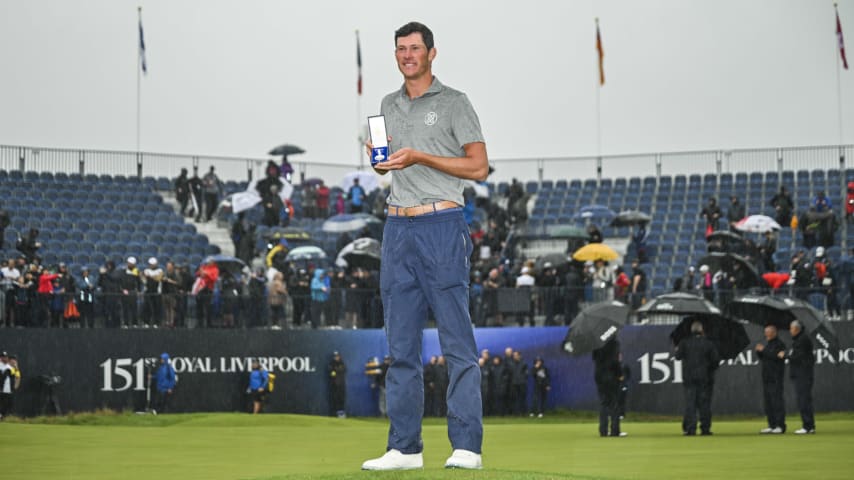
(464, 459)
(394, 460)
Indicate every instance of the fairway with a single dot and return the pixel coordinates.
(238, 446)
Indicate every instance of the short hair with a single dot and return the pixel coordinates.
(796, 324)
(696, 327)
(415, 27)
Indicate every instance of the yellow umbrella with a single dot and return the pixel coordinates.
(595, 251)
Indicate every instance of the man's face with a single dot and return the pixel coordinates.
(413, 58)
(508, 351)
(794, 329)
(770, 332)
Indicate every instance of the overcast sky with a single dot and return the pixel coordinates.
(239, 77)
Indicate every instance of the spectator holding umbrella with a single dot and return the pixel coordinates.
(607, 374)
(802, 372)
(772, 357)
(699, 361)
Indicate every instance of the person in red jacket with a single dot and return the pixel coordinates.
(45, 295)
(849, 202)
(207, 274)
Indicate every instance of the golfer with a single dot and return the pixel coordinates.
(436, 141)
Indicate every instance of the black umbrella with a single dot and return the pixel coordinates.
(558, 260)
(630, 217)
(679, 303)
(727, 261)
(285, 150)
(761, 310)
(595, 326)
(817, 326)
(729, 337)
(768, 310)
(725, 236)
(361, 253)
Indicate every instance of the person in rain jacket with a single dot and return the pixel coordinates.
(320, 288)
(164, 384)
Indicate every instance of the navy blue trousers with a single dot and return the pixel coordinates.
(425, 266)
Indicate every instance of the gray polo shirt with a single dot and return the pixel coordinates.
(439, 122)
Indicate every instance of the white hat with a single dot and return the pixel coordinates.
(691, 268)
(704, 268)
(525, 270)
(132, 260)
(819, 252)
(152, 261)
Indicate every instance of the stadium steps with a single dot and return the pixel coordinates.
(218, 236)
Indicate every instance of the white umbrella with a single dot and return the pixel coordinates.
(757, 224)
(308, 252)
(368, 180)
(344, 222)
(245, 200)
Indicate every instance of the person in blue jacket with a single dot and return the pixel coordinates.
(259, 379)
(320, 288)
(164, 384)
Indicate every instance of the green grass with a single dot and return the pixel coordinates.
(272, 447)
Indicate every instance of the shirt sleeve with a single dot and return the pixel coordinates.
(465, 123)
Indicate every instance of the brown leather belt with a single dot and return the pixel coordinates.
(420, 209)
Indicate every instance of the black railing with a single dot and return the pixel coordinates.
(129, 163)
(346, 308)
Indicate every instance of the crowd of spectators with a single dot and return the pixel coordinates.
(505, 289)
(507, 383)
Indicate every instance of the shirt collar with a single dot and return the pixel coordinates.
(435, 87)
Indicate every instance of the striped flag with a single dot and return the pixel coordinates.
(142, 62)
(601, 55)
(359, 63)
(841, 41)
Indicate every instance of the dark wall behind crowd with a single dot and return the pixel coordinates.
(107, 368)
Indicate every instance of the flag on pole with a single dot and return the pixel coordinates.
(601, 55)
(142, 62)
(359, 63)
(841, 41)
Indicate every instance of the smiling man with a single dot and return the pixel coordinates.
(437, 143)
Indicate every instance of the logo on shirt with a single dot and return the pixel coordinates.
(430, 118)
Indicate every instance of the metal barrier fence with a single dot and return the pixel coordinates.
(674, 163)
(347, 308)
(114, 162)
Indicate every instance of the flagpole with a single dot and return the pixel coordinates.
(598, 103)
(838, 57)
(359, 140)
(138, 80)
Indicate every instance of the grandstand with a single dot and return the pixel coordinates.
(86, 220)
(677, 232)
